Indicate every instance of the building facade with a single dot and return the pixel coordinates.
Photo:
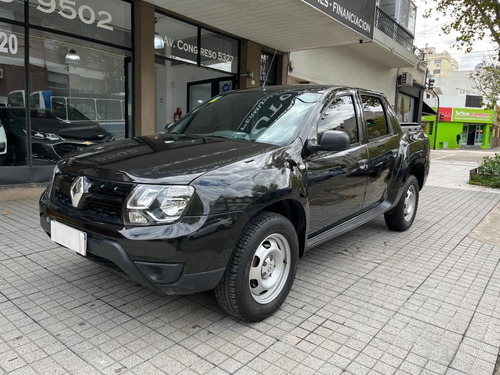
(462, 127)
(131, 67)
(440, 64)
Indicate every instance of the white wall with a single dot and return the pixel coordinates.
(457, 83)
(447, 101)
(344, 67)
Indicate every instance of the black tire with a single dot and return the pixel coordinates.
(261, 270)
(401, 217)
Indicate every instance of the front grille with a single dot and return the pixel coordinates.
(103, 201)
(66, 147)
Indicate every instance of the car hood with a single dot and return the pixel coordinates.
(84, 130)
(160, 158)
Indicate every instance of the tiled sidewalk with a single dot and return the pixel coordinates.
(372, 301)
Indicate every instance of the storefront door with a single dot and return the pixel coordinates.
(473, 135)
(201, 91)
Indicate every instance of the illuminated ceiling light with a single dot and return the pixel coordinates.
(159, 43)
(72, 57)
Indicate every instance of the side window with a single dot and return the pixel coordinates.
(376, 121)
(340, 115)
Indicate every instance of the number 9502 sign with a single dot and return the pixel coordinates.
(69, 10)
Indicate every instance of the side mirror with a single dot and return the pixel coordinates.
(331, 140)
(334, 140)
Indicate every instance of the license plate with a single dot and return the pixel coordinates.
(71, 238)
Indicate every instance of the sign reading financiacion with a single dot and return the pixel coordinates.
(358, 15)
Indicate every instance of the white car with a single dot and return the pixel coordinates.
(3, 145)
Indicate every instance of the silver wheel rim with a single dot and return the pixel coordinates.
(269, 269)
(410, 203)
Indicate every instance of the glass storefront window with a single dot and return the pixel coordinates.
(102, 20)
(13, 138)
(64, 92)
(12, 9)
(180, 39)
(218, 52)
(177, 40)
(76, 95)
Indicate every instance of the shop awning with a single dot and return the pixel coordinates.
(282, 24)
(427, 111)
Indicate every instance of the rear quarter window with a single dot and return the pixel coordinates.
(375, 116)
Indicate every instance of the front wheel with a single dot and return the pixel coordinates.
(401, 217)
(261, 271)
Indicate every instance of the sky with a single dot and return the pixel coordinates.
(428, 33)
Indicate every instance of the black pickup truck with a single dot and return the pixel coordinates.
(230, 196)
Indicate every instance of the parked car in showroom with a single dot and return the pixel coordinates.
(51, 138)
(235, 192)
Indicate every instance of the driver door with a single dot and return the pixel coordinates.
(337, 180)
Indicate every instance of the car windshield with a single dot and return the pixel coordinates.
(260, 116)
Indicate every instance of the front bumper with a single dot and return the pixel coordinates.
(185, 257)
(166, 277)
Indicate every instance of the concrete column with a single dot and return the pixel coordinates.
(144, 100)
(250, 62)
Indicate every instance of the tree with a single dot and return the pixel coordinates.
(472, 19)
(486, 77)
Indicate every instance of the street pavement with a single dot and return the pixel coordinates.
(372, 301)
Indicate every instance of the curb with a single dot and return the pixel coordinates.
(17, 192)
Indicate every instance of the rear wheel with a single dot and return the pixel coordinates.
(402, 216)
(262, 268)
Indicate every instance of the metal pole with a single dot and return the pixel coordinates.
(437, 119)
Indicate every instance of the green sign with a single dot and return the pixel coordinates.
(472, 115)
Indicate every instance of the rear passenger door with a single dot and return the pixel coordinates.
(336, 180)
(383, 145)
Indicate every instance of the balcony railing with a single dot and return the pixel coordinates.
(390, 27)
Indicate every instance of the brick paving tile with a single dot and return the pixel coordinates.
(371, 301)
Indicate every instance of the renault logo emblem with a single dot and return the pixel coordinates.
(78, 189)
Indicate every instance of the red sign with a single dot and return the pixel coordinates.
(446, 112)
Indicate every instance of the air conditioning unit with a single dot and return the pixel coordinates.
(406, 79)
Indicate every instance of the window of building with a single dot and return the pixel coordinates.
(13, 137)
(402, 11)
(79, 54)
(218, 51)
(184, 42)
(268, 69)
(473, 101)
(376, 120)
(192, 65)
(436, 71)
(105, 20)
(340, 115)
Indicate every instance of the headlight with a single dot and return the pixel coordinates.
(157, 204)
(49, 136)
